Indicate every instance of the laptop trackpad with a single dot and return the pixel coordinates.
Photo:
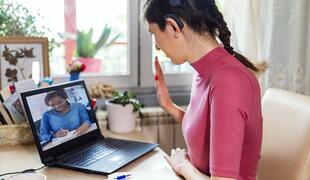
(110, 163)
(118, 159)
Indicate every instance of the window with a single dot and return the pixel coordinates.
(123, 64)
(118, 61)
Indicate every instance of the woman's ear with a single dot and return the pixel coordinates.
(175, 27)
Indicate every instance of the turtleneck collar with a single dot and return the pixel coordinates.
(208, 61)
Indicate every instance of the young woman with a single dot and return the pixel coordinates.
(63, 117)
(222, 125)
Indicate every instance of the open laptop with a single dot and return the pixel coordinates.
(87, 152)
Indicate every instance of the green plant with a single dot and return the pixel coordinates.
(85, 47)
(128, 98)
(17, 20)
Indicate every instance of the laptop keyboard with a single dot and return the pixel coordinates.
(96, 152)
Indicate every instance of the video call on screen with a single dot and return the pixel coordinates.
(61, 115)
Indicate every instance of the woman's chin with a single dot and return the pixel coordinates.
(174, 62)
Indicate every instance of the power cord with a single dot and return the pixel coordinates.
(20, 172)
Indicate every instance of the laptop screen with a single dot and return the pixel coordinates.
(60, 115)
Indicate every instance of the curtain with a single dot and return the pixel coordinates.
(277, 31)
(242, 17)
(285, 43)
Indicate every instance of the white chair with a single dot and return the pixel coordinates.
(286, 136)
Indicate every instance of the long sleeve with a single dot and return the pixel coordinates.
(45, 128)
(84, 116)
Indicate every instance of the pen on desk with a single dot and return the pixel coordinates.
(125, 176)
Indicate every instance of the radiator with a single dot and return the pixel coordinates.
(161, 128)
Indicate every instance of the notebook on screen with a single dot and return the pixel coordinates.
(67, 134)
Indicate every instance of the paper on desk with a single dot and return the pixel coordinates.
(149, 175)
(69, 135)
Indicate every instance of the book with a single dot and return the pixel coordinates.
(2, 121)
(15, 108)
(6, 116)
(25, 85)
(5, 94)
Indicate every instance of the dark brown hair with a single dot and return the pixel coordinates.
(202, 16)
(53, 94)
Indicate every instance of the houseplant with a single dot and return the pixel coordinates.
(122, 112)
(17, 20)
(86, 48)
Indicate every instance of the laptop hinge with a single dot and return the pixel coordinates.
(49, 159)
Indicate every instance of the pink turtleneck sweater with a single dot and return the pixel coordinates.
(223, 123)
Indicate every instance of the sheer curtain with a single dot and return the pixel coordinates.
(242, 17)
(277, 31)
(285, 35)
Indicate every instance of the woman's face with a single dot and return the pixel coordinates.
(59, 104)
(166, 41)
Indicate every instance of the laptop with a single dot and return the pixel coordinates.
(67, 133)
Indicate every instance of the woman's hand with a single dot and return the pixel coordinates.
(178, 160)
(82, 129)
(61, 133)
(163, 95)
(181, 164)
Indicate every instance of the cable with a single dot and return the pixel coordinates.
(24, 171)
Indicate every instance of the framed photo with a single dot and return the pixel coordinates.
(20, 57)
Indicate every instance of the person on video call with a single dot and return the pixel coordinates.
(63, 117)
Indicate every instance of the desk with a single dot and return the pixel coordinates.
(18, 158)
(57, 142)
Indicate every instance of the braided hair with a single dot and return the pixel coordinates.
(202, 16)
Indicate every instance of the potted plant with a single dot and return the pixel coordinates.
(86, 49)
(122, 112)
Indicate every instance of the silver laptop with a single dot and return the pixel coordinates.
(67, 134)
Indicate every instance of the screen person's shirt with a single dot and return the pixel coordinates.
(53, 121)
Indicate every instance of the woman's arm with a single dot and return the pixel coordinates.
(82, 129)
(46, 133)
(176, 112)
(163, 95)
(181, 164)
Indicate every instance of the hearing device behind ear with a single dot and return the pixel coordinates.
(176, 19)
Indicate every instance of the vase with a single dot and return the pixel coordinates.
(92, 65)
(74, 76)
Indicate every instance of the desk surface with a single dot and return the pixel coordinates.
(19, 158)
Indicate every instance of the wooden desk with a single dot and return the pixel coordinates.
(19, 158)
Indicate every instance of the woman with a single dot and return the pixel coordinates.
(63, 117)
(222, 125)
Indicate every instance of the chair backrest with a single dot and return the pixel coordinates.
(286, 136)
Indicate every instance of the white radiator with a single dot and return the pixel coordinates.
(161, 128)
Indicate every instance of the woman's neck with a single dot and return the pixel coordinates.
(200, 46)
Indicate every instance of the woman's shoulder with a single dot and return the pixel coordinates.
(233, 71)
(235, 76)
(76, 105)
(46, 114)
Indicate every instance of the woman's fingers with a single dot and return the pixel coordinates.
(159, 73)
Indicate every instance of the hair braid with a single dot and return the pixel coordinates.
(225, 34)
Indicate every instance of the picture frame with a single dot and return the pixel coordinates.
(17, 55)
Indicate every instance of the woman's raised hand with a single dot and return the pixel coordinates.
(163, 96)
